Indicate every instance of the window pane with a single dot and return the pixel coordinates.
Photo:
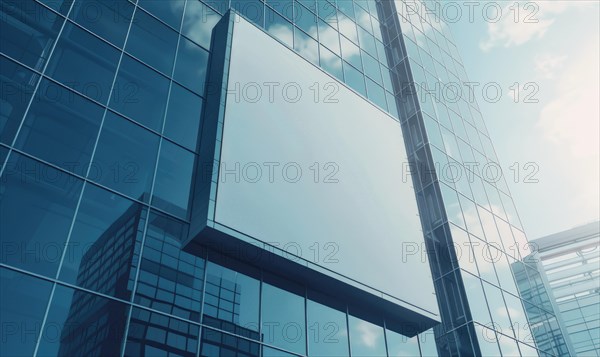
(401, 346)
(350, 52)
(153, 334)
(354, 79)
(168, 11)
(76, 318)
(152, 42)
(170, 279)
(366, 339)
(232, 301)
(192, 62)
(306, 46)
(183, 117)
(173, 179)
(84, 63)
(45, 199)
(279, 27)
(331, 63)
(198, 22)
(251, 9)
(23, 301)
(61, 127)
(327, 332)
(100, 253)
(305, 20)
(283, 319)
(109, 19)
(28, 32)
(17, 88)
(215, 343)
(125, 157)
(140, 93)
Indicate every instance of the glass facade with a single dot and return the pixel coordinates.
(101, 103)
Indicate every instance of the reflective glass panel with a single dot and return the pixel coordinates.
(140, 93)
(198, 22)
(183, 117)
(125, 157)
(82, 324)
(61, 127)
(84, 63)
(108, 19)
(191, 66)
(366, 338)
(327, 331)
(401, 346)
(23, 301)
(101, 250)
(168, 11)
(45, 199)
(283, 319)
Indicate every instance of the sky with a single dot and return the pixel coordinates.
(549, 127)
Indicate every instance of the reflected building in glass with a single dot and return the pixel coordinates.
(123, 234)
(568, 265)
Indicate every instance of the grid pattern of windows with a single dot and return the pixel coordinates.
(474, 237)
(101, 106)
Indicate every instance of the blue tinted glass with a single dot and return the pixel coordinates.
(17, 85)
(251, 9)
(376, 94)
(140, 93)
(329, 37)
(109, 19)
(331, 63)
(61, 6)
(306, 46)
(173, 179)
(283, 319)
(23, 301)
(401, 346)
(75, 318)
(170, 280)
(152, 42)
(305, 20)
(84, 63)
(28, 32)
(347, 7)
(168, 11)
(61, 127)
(3, 154)
(366, 339)
(100, 251)
(271, 352)
(354, 79)
(427, 343)
(216, 343)
(231, 301)
(153, 334)
(350, 52)
(198, 22)
(327, 12)
(327, 331)
(279, 27)
(284, 7)
(125, 157)
(183, 117)
(45, 199)
(371, 68)
(192, 62)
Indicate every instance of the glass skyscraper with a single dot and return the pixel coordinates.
(104, 109)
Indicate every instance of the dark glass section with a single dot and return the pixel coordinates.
(283, 323)
(173, 182)
(23, 301)
(327, 330)
(152, 42)
(17, 85)
(366, 338)
(82, 324)
(101, 249)
(84, 63)
(37, 204)
(216, 343)
(168, 11)
(191, 66)
(170, 280)
(154, 334)
(231, 301)
(140, 93)
(199, 21)
(28, 32)
(182, 123)
(108, 19)
(61, 127)
(125, 157)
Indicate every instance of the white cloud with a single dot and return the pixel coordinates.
(522, 22)
(546, 65)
